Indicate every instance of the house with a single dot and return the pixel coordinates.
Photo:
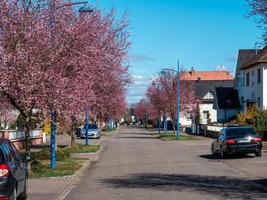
(206, 92)
(205, 83)
(251, 78)
(226, 103)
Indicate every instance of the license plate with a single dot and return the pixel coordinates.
(242, 141)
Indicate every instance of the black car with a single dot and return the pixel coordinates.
(13, 172)
(237, 140)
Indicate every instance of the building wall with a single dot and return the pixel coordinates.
(212, 112)
(265, 87)
(224, 116)
(255, 89)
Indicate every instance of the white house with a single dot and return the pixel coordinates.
(251, 78)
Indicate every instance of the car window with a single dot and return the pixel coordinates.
(14, 149)
(7, 152)
(2, 158)
(91, 126)
(240, 132)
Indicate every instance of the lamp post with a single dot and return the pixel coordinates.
(52, 10)
(178, 98)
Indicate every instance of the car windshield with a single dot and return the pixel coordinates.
(91, 126)
(240, 132)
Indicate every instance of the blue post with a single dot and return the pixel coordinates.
(53, 140)
(86, 128)
(178, 101)
(165, 123)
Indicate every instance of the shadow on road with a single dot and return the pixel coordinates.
(226, 187)
(216, 157)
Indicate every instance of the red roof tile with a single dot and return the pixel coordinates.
(206, 75)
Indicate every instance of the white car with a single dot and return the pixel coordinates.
(93, 131)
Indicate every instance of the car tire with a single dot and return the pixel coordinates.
(23, 195)
(14, 195)
(212, 150)
(222, 155)
(258, 154)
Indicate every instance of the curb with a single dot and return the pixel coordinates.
(77, 176)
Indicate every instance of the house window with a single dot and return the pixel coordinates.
(205, 115)
(247, 79)
(209, 95)
(242, 102)
(259, 75)
(259, 102)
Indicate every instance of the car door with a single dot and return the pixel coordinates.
(22, 168)
(13, 164)
(221, 139)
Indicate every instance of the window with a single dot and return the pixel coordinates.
(242, 101)
(259, 102)
(209, 95)
(205, 115)
(259, 75)
(247, 79)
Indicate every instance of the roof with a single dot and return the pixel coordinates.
(227, 98)
(260, 57)
(203, 87)
(245, 55)
(206, 75)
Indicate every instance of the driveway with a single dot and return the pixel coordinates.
(136, 165)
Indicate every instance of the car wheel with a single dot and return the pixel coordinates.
(258, 154)
(23, 195)
(212, 150)
(14, 195)
(222, 155)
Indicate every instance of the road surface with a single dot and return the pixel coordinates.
(138, 166)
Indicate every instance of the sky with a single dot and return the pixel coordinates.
(204, 34)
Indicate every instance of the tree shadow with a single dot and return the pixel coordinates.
(222, 186)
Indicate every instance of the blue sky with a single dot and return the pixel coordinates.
(203, 34)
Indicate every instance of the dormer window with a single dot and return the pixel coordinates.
(209, 95)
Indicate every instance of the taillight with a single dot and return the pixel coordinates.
(4, 170)
(3, 198)
(256, 140)
(230, 141)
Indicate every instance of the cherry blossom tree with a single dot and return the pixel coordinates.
(62, 61)
(162, 93)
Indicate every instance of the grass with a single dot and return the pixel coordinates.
(65, 167)
(83, 149)
(264, 144)
(170, 136)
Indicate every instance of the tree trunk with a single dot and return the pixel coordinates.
(73, 138)
(27, 130)
(173, 127)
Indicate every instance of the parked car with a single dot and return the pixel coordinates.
(93, 131)
(237, 140)
(13, 172)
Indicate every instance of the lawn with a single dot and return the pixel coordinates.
(65, 165)
(170, 136)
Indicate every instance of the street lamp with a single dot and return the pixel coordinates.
(52, 10)
(178, 97)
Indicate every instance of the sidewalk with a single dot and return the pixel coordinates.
(59, 188)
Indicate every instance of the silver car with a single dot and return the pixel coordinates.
(93, 131)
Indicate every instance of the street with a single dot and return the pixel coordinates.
(136, 165)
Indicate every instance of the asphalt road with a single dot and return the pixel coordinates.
(137, 166)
